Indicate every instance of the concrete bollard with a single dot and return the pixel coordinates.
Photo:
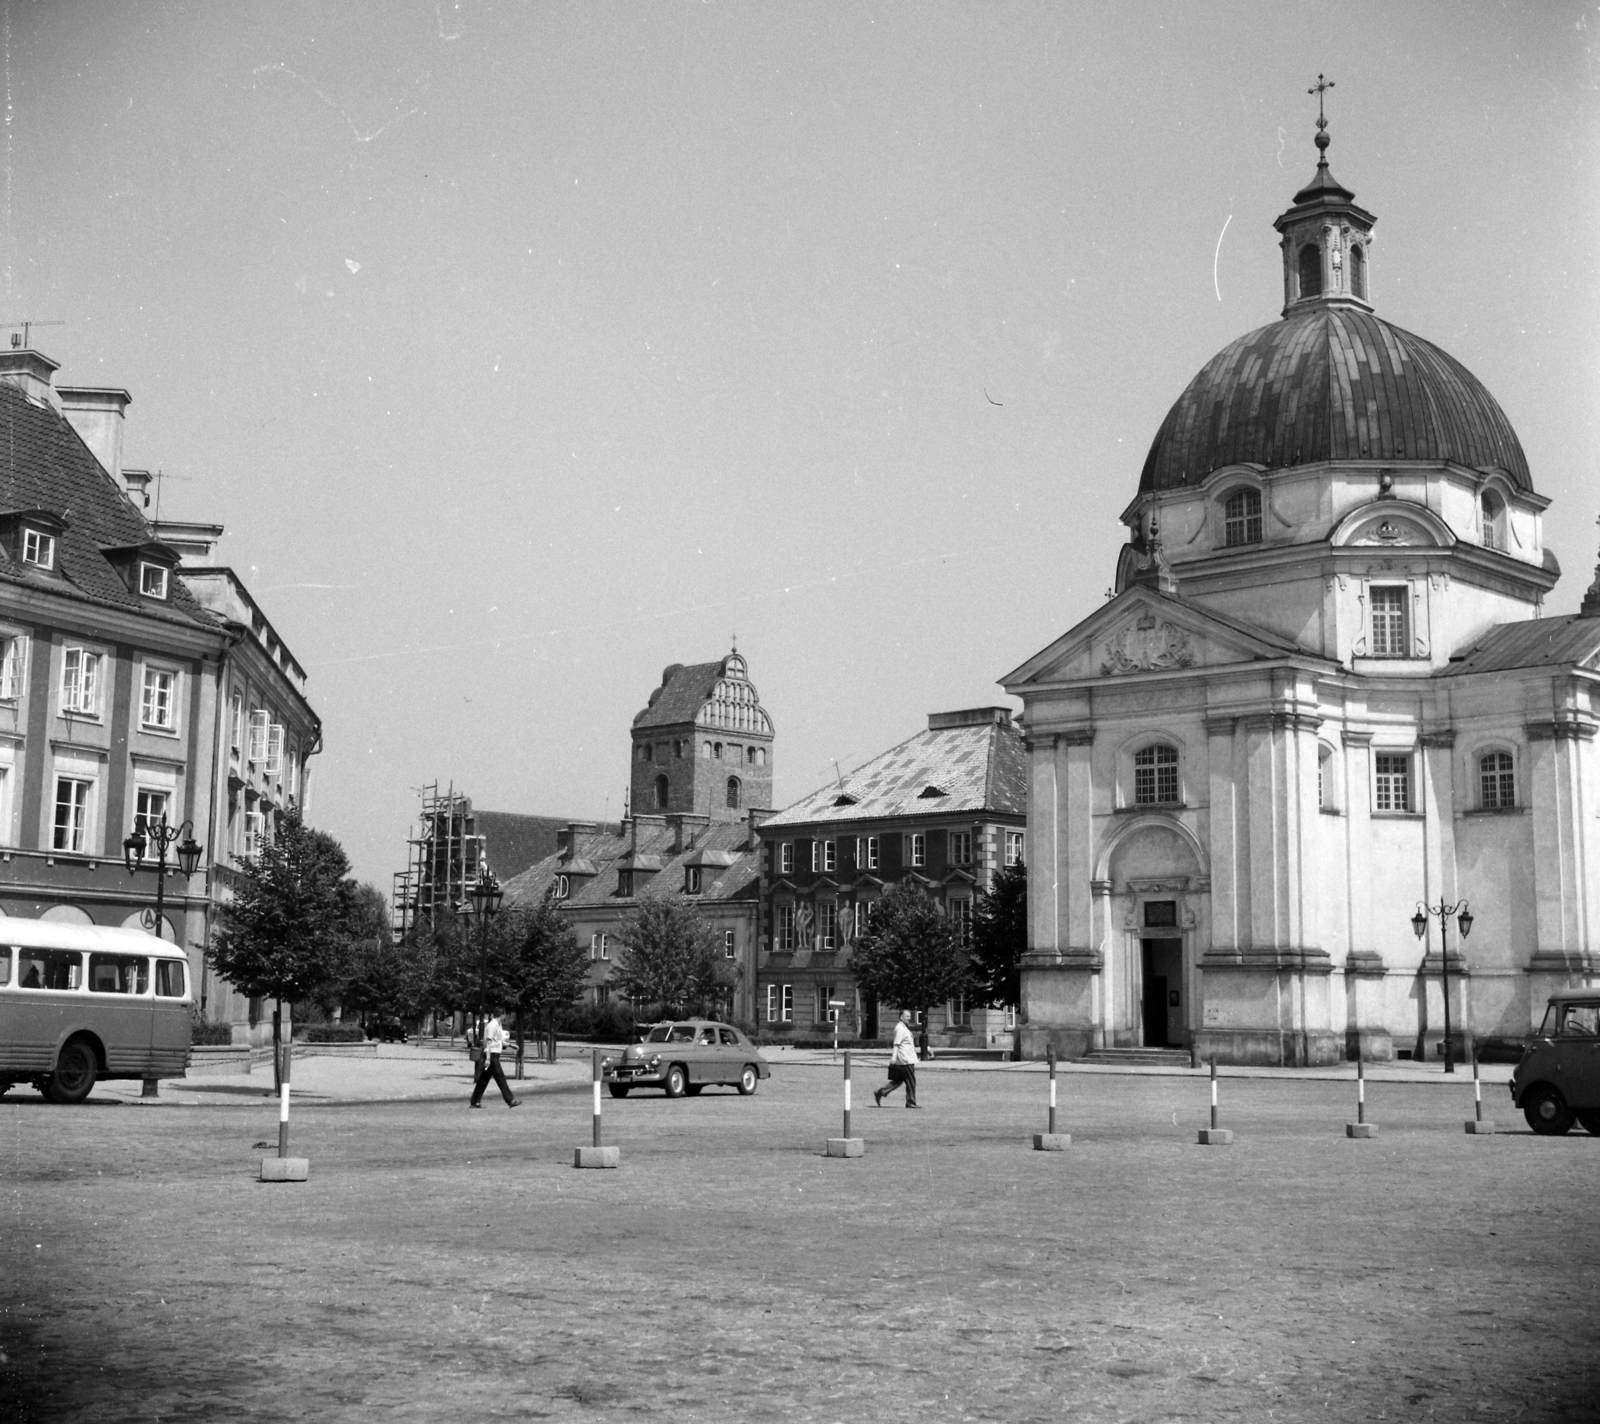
(1052, 1141)
(1477, 1125)
(847, 1146)
(1361, 1127)
(1215, 1136)
(598, 1155)
(283, 1167)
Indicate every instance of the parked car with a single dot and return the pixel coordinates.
(1558, 1081)
(684, 1056)
(387, 1030)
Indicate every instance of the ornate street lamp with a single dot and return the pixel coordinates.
(1419, 923)
(483, 904)
(162, 836)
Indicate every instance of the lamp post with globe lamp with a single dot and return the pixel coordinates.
(157, 833)
(1419, 923)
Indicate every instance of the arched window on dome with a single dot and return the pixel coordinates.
(733, 793)
(1493, 510)
(1358, 271)
(1310, 270)
(661, 793)
(1241, 518)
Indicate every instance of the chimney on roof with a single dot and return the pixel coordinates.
(969, 717)
(31, 372)
(96, 413)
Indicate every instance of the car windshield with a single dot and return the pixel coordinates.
(659, 1033)
(681, 1033)
(1579, 1020)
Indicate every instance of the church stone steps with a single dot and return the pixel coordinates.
(1140, 1057)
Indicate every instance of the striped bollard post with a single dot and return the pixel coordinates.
(846, 1146)
(283, 1167)
(1361, 1127)
(597, 1155)
(1477, 1125)
(1215, 1136)
(1051, 1141)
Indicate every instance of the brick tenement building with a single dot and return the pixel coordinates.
(945, 808)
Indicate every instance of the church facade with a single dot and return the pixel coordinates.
(1322, 696)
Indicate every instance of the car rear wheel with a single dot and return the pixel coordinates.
(1547, 1111)
(75, 1073)
(618, 1090)
(1589, 1119)
(677, 1081)
(748, 1078)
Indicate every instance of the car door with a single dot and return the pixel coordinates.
(703, 1055)
(732, 1055)
(1580, 1055)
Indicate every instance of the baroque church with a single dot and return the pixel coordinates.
(1322, 696)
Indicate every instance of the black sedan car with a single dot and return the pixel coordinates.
(684, 1056)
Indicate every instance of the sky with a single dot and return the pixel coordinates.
(524, 349)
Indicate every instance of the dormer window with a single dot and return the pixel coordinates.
(563, 887)
(1241, 518)
(152, 580)
(38, 549)
(691, 880)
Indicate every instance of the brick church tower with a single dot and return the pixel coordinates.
(703, 744)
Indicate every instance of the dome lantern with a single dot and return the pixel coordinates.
(1327, 239)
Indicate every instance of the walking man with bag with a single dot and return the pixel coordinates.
(902, 1063)
(493, 1045)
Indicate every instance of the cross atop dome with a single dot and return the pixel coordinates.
(1326, 237)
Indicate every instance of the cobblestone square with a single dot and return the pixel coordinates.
(442, 1263)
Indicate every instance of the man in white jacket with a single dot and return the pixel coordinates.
(494, 1044)
(902, 1063)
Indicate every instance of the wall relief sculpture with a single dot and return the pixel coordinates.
(1147, 646)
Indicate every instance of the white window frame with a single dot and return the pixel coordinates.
(255, 833)
(960, 847)
(816, 855)
(827, 924)
(1398, 646)
(14, 650)
(730, 948)
(142, 805)
(80, 826)
(161, 581)
(693, 879)
(830, 855)
(162, 701)
(260, 722)
(594, 945)
(236, 718)
(605, 946)
(772, 1003)
(563, 887)
(38, 548)
(916, 849)
(1016, 847)
(788, 1003)
(960, 912)
(786, 858)
(275, 736)
(785, 927)
(872, 853)
(80, 681)
(1383, 786)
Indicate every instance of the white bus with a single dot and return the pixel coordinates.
(79, 1003)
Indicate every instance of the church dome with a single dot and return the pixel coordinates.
(1330, 382)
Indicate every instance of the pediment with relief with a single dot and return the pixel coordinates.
(1148, 644)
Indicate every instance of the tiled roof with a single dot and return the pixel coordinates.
(512, 843)
(1330, 383)
(45, 465)
(607, 852)
(683, 692)
(1538, 642)
(977, 768)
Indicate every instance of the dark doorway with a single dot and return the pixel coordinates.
(869, 1018)
(1163, 993)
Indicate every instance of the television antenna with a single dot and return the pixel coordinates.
(25, 326)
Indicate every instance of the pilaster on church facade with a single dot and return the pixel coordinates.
(1323, 693)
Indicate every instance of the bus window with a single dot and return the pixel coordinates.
(118, 974)
(5, 964)
(49, 969)
(169, 978)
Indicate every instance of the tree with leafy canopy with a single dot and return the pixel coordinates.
(672, 957)
(1000, 938)
(285, 935)
(908, 955)
(550, 964)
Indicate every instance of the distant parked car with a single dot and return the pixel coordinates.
(387, 1031)
(1558, 1081)
(685, 1056)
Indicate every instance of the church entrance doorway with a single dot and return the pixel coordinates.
(1163, 993)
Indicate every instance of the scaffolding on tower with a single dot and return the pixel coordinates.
(446, 855)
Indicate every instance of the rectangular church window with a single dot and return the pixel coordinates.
(1392, 781)
(1389, 639)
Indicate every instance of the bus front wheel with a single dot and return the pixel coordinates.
(75, 1073)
